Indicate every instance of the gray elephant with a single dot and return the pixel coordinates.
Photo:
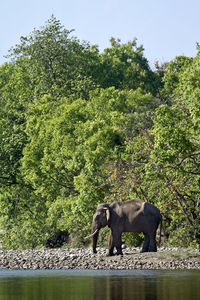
(128, 216)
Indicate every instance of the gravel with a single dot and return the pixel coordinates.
(78, 258)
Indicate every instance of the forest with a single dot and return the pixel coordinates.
(79, 127)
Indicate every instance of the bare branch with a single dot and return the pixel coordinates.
(189, 156)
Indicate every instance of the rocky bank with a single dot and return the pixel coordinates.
(78, 258)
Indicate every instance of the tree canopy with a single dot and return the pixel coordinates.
(79, 127)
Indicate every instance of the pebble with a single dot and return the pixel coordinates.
(78, 258)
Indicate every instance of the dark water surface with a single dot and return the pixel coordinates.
(105, 285)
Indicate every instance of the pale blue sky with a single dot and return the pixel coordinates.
(166, 28)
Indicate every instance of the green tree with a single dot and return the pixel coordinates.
(175, 158)
(75, 130)
(125, 67)
(46, 61)
(172, 75)
(73, 145)
(55, 62)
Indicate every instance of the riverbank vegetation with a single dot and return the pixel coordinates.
(79, 127)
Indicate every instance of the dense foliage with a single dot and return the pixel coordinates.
(79, 127)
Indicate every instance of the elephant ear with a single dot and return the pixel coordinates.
(107, 214)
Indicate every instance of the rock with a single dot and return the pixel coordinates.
(78, 258)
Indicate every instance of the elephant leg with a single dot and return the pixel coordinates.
(117, 237)
(145, 247)
(152, 244)
(115, 241)
(119, 248)
(111, 245)
(118, 242)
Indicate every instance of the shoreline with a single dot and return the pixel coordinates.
(84, 259)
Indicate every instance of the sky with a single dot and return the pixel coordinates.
(165, 28)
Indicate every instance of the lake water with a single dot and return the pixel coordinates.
(105, 285)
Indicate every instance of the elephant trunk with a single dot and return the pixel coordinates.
(94, 239)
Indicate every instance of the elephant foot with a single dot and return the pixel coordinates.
(121, 254)
(114, 254)
(152, 250)
(144, 250)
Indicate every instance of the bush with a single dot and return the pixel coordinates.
(133, 239)
(182, 237)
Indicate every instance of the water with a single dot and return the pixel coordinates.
(105, 285)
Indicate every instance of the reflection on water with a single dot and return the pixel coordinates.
(106, 285)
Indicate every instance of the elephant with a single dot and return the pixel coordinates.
(127, 216)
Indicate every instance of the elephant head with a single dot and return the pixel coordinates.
(100, 219)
